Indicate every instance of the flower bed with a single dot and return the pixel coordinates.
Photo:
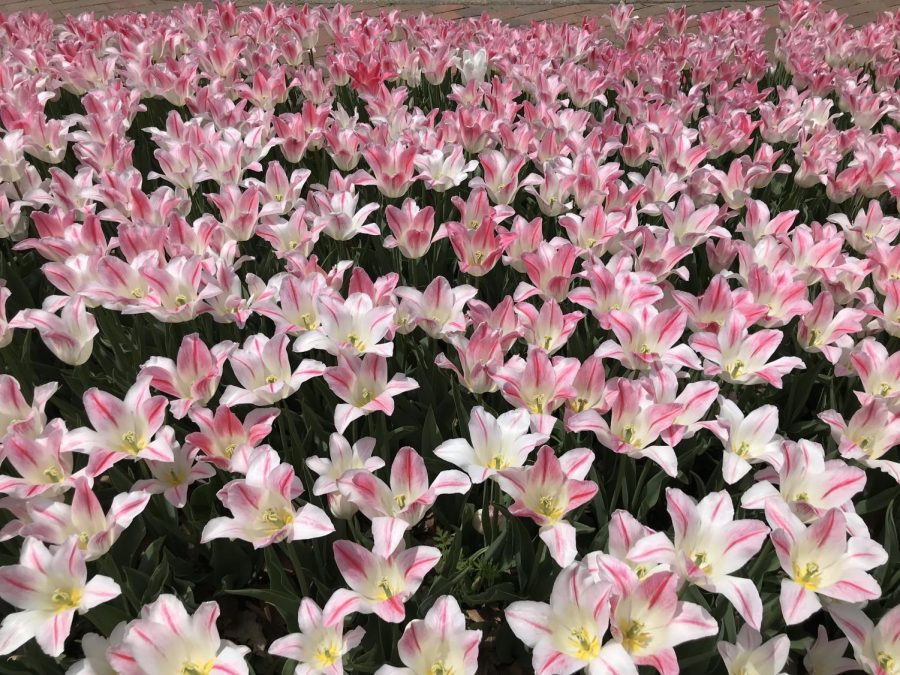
(349, 343)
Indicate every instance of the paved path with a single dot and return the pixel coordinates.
(858, 11)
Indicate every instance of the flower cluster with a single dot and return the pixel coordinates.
(314, 324)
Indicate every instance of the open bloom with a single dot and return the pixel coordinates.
(382, 584)
(739, 357)
(819, 560)
(648, 620)
(94, 530)
(49, 587)
(44, 465)
(264, 371)
(567, 633)
(750, 655)
(875, 646)
(263, 509)
(172, 479)
(342, 458)
(122, 428)
(648, 337)
(166, 639)
(439, 309)
(364, 387)
(808, 484)
(868, 436)
(412, 228)
(497, 443)
(709, 545)
(19, 417)
(538, 384)
(546, 491)
(320, 645)
(439, 643)
(193, 377)
(222, 434)
(748, 439)
(394, 508)
(636, 422)
(353, 326)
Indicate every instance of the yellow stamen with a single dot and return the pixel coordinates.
(180, 300)
(53, 474)
(809, 576)
(137, 293)
(701, 561)
(132, 444)
(387, 591)
(65, 599)
(537, 404)
(634, 637)
(579, 405)
(887, 662)
(276, 519)
(271, 379)
(548, 507)
(735, 369)
(743, 449)
(629, 436)
(440, 668)
(309, 321)
(400, 501)
(191, 668)
(498, 462)
(885, 389)
(229, 450)
(587, 646)
(327, 654)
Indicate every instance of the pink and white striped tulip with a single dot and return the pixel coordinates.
(819, 560)
(320, 645)
(166, 639)
(48, 587)
(546, 491)
(364, 387)
(567, 634)
(396, 507)
(747, 439)
(342, 458)
(497, 443)
(750, 655)
(264, 371)
(129, 428)
(439, 643)
(263, 509)
(193, 377)
(382, 584)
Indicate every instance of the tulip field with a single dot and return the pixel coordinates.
(343, 343)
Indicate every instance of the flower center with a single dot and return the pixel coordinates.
(887, 662)
(132, 444)
(547, 506)
(365, 398)
(137, 293)
(440, 668)
(586, 645)
(537, 404)
(743, 449)
(356, 343)
(885, 389)
(180, 300)
(629, 436)
(400, 501)
(191, 668)
(276, 519)
(386, 590)
(327, 654)
(579, 405)
(229, 450)
(83, 539)
(309, 321)
(498, 462)
(271, 379)
(65, 599)
(809, 576)
(634, 637)
(53, 474)
(701, 561)
(735, 369)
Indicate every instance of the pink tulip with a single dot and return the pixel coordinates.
(379, 584)
(352, 327)
(364, 387)
(263, 509)
(875, 646)
(747, 439)
(320, 645)
(193, 377)
(222, 434)
(396, 507)
(439, 310)
(392, 167)
(819, 560)
(438, 644)
(122, 429)
(749, 651)
(69, 336)
(342, 459)
(16, 415)
(479, 356)
(49, 587)
(567, 634)
(95, 531)
(264, 371)
(44, 463)
(648, 337)
(537, 384)
(549, 269)
(166, 639)
(739, 357)
(412, 229)
(868, 436)
(637, 421)
(546, 491)
(172, 479)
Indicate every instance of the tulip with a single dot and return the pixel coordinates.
(49, 587)
(69, 336)
(342, 459)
